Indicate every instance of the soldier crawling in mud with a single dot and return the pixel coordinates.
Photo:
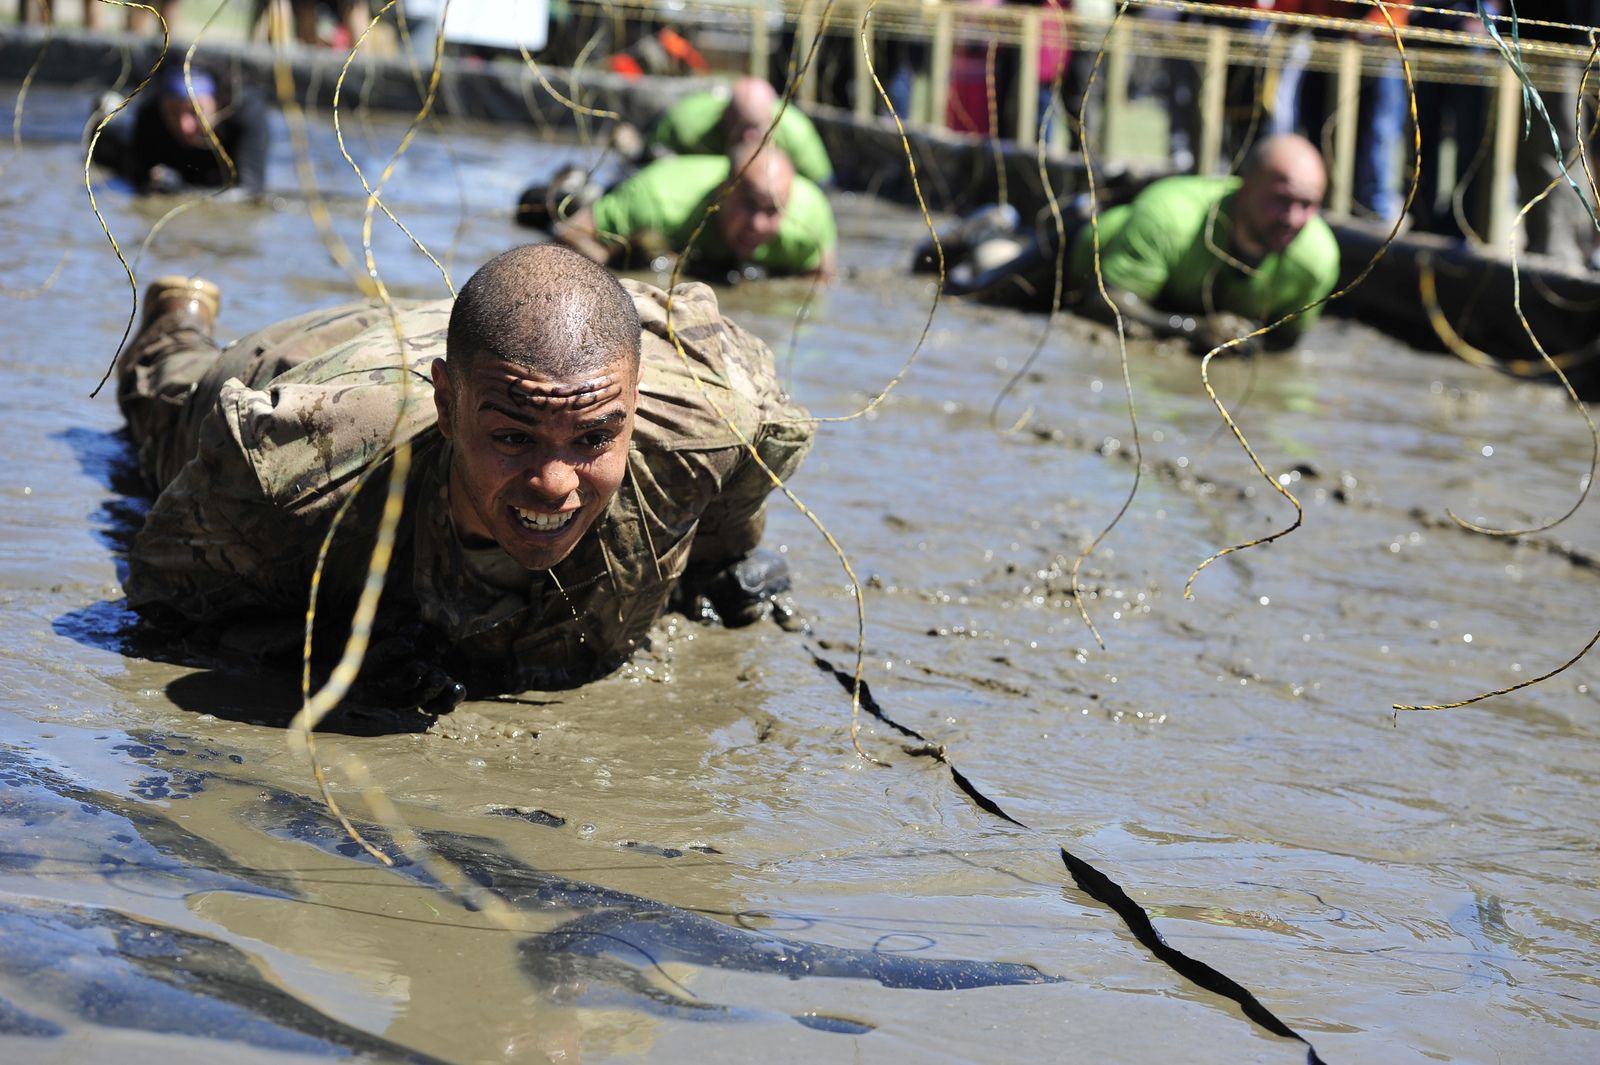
(570, 471)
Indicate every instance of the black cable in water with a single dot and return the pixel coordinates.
(1096, 884)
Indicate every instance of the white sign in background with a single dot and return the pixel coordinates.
(510, 24)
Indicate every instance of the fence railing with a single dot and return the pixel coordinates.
(1218, 39)
(974, 62)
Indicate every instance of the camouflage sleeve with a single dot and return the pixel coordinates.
(214, 546)
(238, 529)
(732, 524)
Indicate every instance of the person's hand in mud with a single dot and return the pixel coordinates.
(164, 180)
(404, 669)
(1214, 330)
(737, 593)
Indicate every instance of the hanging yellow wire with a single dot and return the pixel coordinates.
(373, 199)
(22, 94)
(1438, 320)
(94, 205)
(317, 705)
(212, 141)
(1122, 335)
(305, 170)
(1205, 362)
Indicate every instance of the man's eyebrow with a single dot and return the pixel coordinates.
(602, 422)
(516, 414)
(574, 396)
(527, 417)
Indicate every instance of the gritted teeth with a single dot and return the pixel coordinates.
(543, 522)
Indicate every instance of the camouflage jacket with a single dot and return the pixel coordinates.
(285, 425)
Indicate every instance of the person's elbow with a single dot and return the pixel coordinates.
(1284, 338)
(578, 234)
(827, 265)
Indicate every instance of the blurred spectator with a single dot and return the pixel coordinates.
(900, 60)
(1080, 65)
(346, 19)
(1459, 114)
(1055, 49)
(666, 51)
(1560, 226)
(981, 71)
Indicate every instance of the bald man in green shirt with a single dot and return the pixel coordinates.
(770, 217)
(1204, 259)
(712, 123)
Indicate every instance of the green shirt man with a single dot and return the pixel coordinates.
(1169, 248)
(771, 217)
(1207, 260)
(710, 123)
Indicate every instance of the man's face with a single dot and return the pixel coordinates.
(740, 131)
(182, 121)
(535, 459)
(754, 210)
(1276, 202)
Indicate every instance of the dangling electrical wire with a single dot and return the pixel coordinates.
(744, 441)
(22, 94)
(373, 199)
(212, 141)
(317, 705)
(1122, 335)
(1361, 276)
(88, 163)
(305, 171)
(1594, 50)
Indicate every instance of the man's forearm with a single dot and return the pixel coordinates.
(1201, 332)
(827, 267)
(578, 233)
(1144, 319)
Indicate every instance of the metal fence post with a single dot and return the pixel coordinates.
(1342, 167)
(944, 43)
(1507, 128)
(1028, 80)
(1213, 86)
(760, 45)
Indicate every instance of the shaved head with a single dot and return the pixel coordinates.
(545, 308)
(1286, 153)
(1280, 191)
(749, 111)
(536, 397)
(768, 168)
(755, 204)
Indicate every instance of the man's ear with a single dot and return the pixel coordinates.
(443, 398)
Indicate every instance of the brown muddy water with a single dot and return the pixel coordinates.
(692, 864)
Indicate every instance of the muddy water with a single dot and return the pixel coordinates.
(1398, 890)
